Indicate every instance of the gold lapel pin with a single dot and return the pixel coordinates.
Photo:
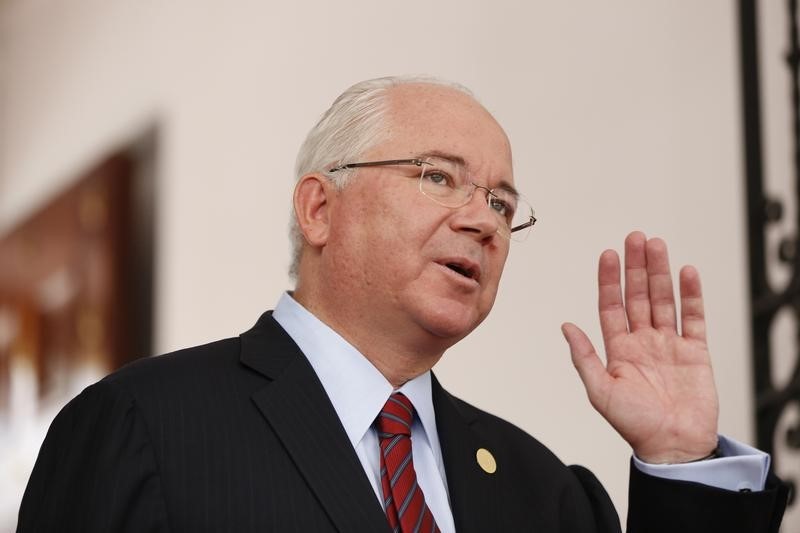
(486, 460)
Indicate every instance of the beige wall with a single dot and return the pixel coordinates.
(623, 115)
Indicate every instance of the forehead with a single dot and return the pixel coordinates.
(425, 118)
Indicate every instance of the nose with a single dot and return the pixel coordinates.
(475, 217)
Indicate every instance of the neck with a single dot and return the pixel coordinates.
(397, 354)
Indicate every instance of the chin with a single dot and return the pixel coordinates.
(450, 320)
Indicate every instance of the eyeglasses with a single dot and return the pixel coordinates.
(447, 183)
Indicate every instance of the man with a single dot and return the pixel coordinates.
(405, 206)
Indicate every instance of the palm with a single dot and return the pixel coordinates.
(657, 388)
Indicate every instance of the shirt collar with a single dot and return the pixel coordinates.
(339, 365)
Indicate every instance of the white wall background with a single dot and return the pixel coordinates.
(623, 114)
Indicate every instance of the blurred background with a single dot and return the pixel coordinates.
(146, 170)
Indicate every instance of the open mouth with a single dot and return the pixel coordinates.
(467, 271)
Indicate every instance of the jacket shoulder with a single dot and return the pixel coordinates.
(187, 362)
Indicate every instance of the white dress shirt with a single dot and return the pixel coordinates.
(358, 392)
(339, 366)
(739, 467)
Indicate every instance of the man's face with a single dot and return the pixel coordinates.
(390, 246)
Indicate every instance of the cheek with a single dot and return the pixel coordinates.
(498, 263)
(395, 223)
(378, 242)
(494, 273)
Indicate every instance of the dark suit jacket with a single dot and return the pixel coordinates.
(239, 435)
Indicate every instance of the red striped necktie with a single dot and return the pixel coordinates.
(402, 497)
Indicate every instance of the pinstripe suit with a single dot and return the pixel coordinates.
(238, 435)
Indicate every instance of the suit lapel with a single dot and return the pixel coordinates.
(473, 492)
(301, 415)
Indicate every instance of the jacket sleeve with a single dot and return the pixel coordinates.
(657, 505)
(96, 470)
(605, 516)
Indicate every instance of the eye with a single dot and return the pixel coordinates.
(503, 208)
(438, 178)
(498, 205)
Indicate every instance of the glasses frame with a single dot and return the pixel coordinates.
(419, 163)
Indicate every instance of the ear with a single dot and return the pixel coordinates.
(312, 196)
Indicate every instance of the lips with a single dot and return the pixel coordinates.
(463, 267)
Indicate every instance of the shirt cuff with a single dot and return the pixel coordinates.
(738, 467)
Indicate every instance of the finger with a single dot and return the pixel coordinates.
(612, 312)
(693, 317)
(659, 279)
(590, 368)
(637, 294)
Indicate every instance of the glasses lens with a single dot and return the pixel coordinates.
(444, 182)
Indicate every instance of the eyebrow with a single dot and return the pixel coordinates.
(505, 185)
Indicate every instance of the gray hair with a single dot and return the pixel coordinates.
(355, 122)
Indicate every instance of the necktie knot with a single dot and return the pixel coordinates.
(396, 416)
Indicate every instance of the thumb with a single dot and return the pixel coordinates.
(590, 368)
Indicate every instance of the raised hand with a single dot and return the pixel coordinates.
(657, 387)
